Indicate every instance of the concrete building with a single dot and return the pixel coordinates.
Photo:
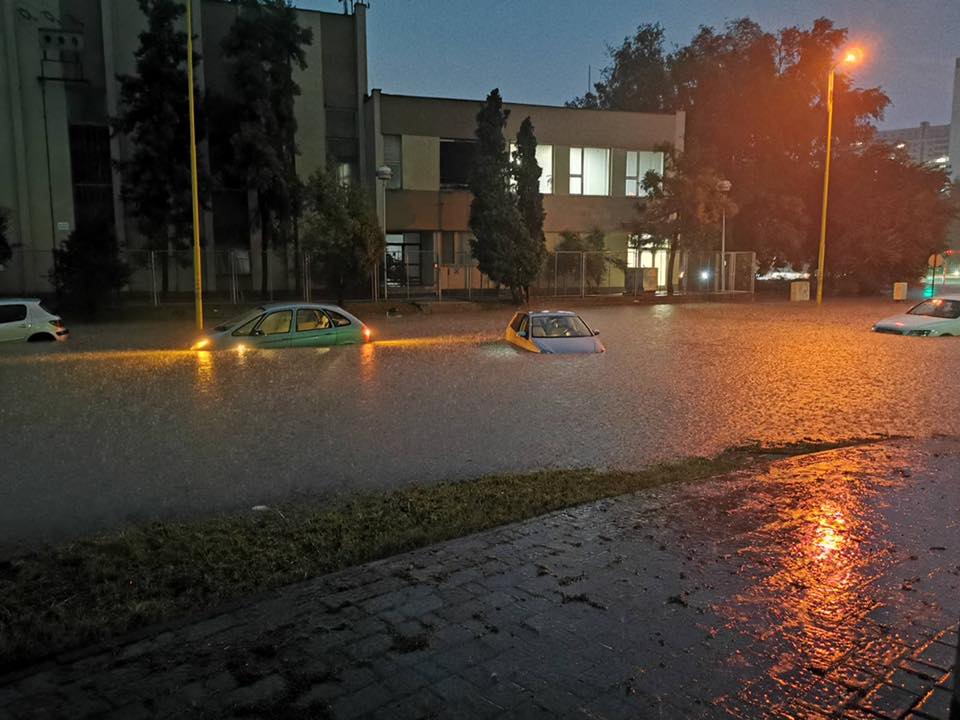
(58, 87)
(593, 165)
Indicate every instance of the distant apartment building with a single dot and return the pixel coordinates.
(593, 165)
(927, 144)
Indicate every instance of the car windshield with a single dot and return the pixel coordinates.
(240, 319)
(938, 308)
(559, 326)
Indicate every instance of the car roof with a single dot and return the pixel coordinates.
(285, 305)
(18, 301)
(951, 296)
(551, 312)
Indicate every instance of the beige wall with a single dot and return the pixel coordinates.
(450, 210)
(436, 117)
(421, 162)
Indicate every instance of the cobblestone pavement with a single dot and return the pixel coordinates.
(820, 586)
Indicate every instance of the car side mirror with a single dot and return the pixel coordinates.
(522, 333)
(257, 332)
(596, 332)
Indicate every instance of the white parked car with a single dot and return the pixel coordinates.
(939, 316)
(28, 320)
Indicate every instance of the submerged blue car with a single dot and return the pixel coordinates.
(552, 331)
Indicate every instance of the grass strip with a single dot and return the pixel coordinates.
(78, 593)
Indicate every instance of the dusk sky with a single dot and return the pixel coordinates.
(538, 50)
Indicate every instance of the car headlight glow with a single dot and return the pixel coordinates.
(200, 344)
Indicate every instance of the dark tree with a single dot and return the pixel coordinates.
(494, 218)
(154, 117)
(887, 215)
(637, 78)
(87, 269)
(594, 263)
(683, 208)
(341, 231)
(6, 252)
(531, 248)
(755, 115)
(265, 42)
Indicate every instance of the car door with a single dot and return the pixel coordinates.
(274, 331)
(13, 322)
(348, 332)
(314, 329)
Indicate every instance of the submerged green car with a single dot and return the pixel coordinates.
(286, 325)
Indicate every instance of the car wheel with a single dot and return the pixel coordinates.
(41, 337)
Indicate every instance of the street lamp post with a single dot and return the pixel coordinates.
(194, 193)
(384, 175)
(724, 187)
(850, 57)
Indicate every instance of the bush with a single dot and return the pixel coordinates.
(87, 269)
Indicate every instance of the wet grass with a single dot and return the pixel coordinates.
(79, 593)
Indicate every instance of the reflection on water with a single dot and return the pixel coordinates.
(810, 566)
(204, 372)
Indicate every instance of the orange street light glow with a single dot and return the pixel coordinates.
(854, 55)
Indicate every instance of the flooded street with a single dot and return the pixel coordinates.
(114, 426)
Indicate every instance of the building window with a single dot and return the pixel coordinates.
(448, 254)
(346, 172)
(92, 173)
(639, 163)
(589, 171)
(456, 163)
(393, 159)
(544, 157)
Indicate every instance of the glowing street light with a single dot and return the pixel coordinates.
(850, 57)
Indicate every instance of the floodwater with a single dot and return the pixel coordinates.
(111, 428)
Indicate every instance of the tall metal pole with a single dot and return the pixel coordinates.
(826, 189)
(723, 251)
(195, 194)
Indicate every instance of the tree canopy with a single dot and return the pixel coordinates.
(755, 115)
(155, 118)
(501, 239)
(341, 231)
(265, 42)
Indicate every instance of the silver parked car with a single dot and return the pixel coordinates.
(552, 331)
(26, 319)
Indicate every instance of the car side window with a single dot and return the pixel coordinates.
(522, 330)
(276, 323)
(12, 313)
(338, 319)
(310, 319)
(247, 328)
(515, 323)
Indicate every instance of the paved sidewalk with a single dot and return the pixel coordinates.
(824, 586)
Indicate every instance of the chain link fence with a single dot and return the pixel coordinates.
(405, 273)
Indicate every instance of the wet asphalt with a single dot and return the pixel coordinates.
(122, 424)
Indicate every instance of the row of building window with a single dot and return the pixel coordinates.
(590, 171)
